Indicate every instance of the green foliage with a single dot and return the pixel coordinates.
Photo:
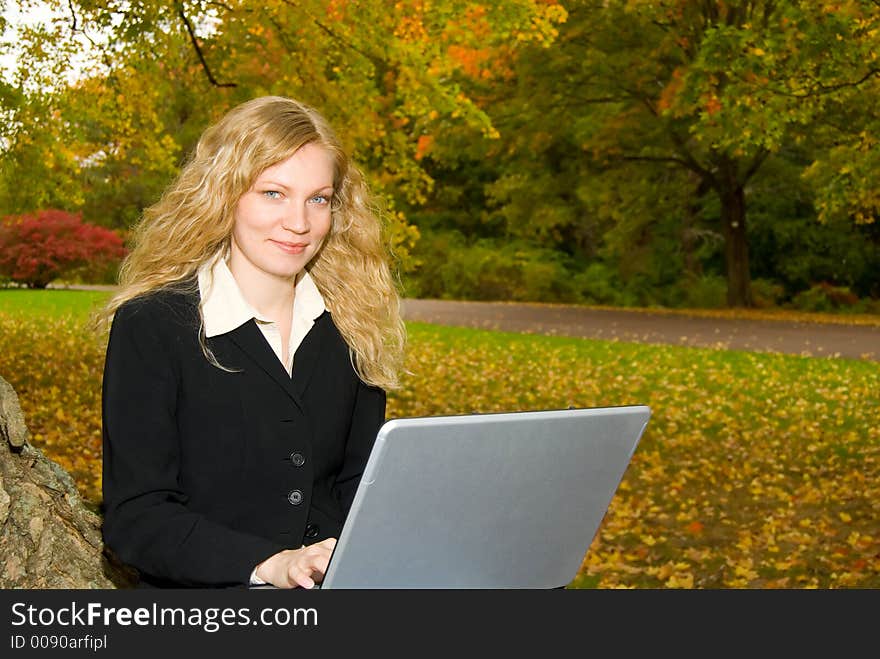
(845, 176)
(635, 89)
(824, 297)
(798, 254)
(37, 167)
(767, 293)
(600, 284)
(705, 292)
(450, 266)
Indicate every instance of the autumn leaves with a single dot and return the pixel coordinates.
(757, 470)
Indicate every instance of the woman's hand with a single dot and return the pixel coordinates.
(297, 567)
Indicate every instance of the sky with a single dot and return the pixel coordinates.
(14, 15)
(32, 15)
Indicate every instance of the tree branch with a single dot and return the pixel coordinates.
(198, 49)
(75, 29)
(673, 159)
(377, 62)
(72, 15)
(686, 155)
(222, 5)
(827, 89)
(686, 159)
(569, 105)
(760, 157)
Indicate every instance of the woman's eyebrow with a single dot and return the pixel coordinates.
(271, 182)
(329, 186)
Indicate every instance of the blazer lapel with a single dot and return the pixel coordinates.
(308, 354)
(251, 341)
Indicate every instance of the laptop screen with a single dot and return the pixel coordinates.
(508, 500)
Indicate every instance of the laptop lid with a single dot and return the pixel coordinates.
(508, 500)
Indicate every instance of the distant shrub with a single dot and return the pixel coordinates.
(37, 249)
(766, 293)
(93, 272)
(869, 305)
(452, 267)
(704, 292)
(825, 297)
(600, 284)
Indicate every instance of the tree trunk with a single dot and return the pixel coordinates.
(48, 537)
(736, 246)
(690, 233)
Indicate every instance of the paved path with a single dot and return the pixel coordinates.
(800, 338)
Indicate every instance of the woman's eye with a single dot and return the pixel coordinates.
(272, 194)
(320, 199)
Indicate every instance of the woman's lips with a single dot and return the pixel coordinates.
(291, 248)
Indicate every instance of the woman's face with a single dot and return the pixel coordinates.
(282, 220)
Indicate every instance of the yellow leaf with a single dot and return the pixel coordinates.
(744, 571)
(680, 581)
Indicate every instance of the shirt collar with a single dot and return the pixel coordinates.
(224, 307)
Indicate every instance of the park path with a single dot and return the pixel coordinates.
(791, 337)
(799, 338)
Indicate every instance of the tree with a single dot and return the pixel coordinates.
(713, 89)
(162, 71)
(36, 249)
(49, 537)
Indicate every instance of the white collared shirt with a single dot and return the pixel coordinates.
(224, 308)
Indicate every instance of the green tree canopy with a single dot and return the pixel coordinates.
(633, 88)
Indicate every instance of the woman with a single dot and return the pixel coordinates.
(253, 338)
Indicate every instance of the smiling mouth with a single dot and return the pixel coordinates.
(291, 248)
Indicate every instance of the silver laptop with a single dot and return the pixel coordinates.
(509, 500)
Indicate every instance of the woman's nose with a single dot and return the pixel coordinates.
(296, 219)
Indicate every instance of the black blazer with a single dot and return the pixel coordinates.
(208, 472)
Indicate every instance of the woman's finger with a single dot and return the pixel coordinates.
(300, 574)
(303, 580)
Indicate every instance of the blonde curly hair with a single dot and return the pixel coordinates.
(193, 222)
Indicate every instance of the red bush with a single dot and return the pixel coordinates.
(36, 249)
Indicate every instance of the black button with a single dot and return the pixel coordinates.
(298, 459)
(295, 497)
(312, 530)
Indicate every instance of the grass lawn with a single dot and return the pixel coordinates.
(757, 470)
(52, 303)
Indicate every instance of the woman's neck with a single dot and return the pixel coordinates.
(270, 296)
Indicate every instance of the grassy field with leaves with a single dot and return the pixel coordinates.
(757, 470)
